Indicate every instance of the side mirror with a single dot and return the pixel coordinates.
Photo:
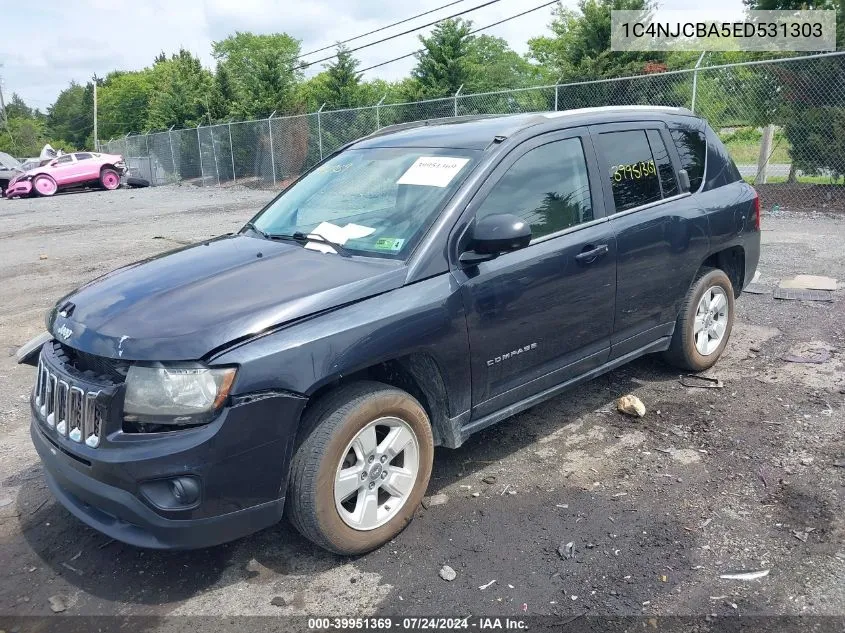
(496, 234)
(683, 180)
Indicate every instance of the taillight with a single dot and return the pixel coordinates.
(756, 211)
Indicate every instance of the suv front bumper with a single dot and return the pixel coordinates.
(241, 460)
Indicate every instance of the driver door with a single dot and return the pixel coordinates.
(543, 314)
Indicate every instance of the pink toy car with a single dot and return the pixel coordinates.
(69, 170)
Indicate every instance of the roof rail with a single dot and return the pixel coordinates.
(398, 127)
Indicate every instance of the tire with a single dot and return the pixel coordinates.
(44, 185)
(137, 183)
(109, 179)
(327, 435)
(685, 350)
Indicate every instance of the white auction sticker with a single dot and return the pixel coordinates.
(432, 171)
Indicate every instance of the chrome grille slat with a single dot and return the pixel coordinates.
(70, 410)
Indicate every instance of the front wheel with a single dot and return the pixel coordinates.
(705, 322)
(109, 179)
(44, 185)
(361, 469)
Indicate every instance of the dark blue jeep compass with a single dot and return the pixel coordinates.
(416, 286)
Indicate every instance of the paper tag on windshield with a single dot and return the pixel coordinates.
(432, 171)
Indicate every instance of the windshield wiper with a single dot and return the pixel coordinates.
(303, 238)
(252, 227)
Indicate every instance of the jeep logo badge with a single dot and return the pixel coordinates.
(65, 332)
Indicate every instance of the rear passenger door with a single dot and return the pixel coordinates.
(542, 314)
(661, 232)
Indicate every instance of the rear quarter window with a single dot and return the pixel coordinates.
(692, 149)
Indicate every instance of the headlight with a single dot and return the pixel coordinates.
(179, 395)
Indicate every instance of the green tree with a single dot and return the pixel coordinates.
(16, 108)
(442, 66)
(71, 117)
(180, 90)
(262, 72)
(124, 102)
(807, 98)
(343, 81)
(580, 47)
(492, 65)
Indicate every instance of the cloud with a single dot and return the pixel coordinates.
(40, 58)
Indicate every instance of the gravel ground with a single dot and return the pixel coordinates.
(710, 481)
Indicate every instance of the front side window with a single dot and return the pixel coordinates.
(83, 156)
(631, 168)
(374, 201)
(547, 187)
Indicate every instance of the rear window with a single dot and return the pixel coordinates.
(631, 168)
(692, 149)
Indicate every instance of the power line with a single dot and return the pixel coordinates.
(483, 28)
(416, 28)
(358, 37)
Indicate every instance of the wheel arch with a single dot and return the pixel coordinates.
(731, 260)
(417, 373)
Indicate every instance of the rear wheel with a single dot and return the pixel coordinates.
(705, 323)
(362, 468)
(109, 179)
(44, 185)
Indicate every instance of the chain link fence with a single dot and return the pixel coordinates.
(782, 120)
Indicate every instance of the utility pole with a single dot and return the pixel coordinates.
(6, 115)
(3, 103)
(96, 138)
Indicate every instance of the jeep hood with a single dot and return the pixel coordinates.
(184, 304)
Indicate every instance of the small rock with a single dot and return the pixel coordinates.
(447, 573)
(566, 550)
(434, 500)
(278, 601)
(476, 494)
(839, 463)
(590, 545)
(58, 603)
(42, 257)
(806, 461)
(489, 479)
(631, 405)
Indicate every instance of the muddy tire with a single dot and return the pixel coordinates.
(44, 185)
(109, 179)
(705, 322)
(361, 467)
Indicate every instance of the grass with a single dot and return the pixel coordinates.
(744, 146)
(814, 180)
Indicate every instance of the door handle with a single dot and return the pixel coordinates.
(591, 255)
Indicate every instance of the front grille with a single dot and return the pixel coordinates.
(94, 366)
(72, 411)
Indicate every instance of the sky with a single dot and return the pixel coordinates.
(42, 51)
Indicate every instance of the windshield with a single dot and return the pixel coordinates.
(376, 201)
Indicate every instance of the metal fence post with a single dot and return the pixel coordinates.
(199, 152)
(172, 155)
(149, 158)
(320, 130)
(272, 154)
(695, 79)
(378, 118)
(232, 153)
(214, 154)
(456, 99)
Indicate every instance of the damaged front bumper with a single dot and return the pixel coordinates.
(182, 489)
